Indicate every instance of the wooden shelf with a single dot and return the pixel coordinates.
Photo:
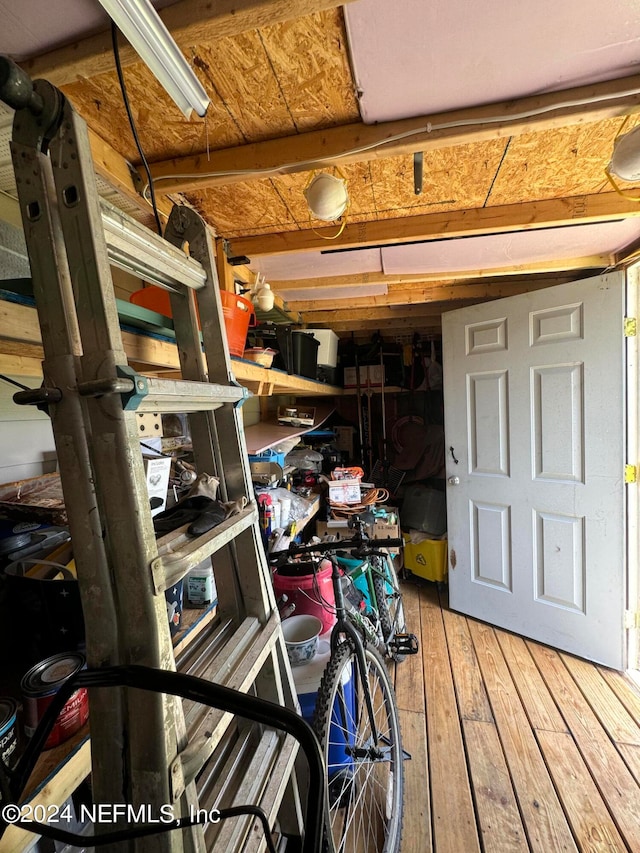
(21, 354)
(265, 381)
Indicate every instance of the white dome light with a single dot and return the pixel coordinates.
(327, 197)
(264, 297)
(625, 160)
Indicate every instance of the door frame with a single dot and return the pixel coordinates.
(632, 451)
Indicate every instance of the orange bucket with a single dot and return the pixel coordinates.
(238, 312)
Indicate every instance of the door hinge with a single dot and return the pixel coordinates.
(630, 327)
(630, 474)
(631, 619)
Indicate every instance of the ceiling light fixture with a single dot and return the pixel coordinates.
(328, 199)
(327, 196)
(625, 159)
(147, 34)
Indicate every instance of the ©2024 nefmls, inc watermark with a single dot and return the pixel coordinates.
(103, 813)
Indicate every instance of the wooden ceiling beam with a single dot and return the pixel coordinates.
(360, 142)
(429, 329)
(418, 280)
(403, 324)
(319, 308)
(115, 170)
(378, 313)
(499, 219)
(191, 22)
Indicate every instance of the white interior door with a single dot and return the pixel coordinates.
(534, 416)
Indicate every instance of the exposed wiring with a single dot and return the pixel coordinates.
(428, 128)
(132, 125)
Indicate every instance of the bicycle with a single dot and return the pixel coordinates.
(376, 578)
(357, 723)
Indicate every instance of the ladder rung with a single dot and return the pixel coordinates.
(236, 667)
(220, 666)
(197, 655)
(178, 553)
(273, 755)
(178, 395)
(274, 792)
(136, 249)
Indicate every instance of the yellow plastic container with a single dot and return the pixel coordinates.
(428, 558)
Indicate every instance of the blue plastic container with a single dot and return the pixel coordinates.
(307, 680)
(268, 456)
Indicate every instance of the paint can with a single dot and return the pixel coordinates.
(8, 732)
(40, 685)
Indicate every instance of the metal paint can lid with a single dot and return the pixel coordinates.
(48, 675)
(8, 709)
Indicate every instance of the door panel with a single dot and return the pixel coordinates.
(534, 394)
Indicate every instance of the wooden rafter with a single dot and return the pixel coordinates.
(115, 170)
(500, 219)
(421, 279)
(191, 22)
(359, 142)
(323, 310)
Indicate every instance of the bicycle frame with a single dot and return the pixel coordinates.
(345, 626)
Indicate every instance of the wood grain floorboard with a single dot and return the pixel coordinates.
(516, 746)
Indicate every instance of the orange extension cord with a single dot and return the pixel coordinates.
(373, 496)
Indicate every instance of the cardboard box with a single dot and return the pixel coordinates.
(157, 470)
(380, 529)
(371, 375)
(344, 491)
(344, 439)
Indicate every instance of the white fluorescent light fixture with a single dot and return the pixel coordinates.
(147, 34)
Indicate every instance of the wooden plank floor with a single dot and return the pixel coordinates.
(515, 746)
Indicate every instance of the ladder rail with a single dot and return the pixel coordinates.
(140, 749)
(62, 351)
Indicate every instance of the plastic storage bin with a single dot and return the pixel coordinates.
(305, 354)
(268, 455)
(307, 681)
(424, 509)
(427, 559)
(328, 350)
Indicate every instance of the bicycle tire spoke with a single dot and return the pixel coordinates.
(365, 773)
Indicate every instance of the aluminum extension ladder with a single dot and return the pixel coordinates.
(146, 748)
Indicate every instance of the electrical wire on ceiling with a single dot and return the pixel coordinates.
(132, 125)
(427, 128)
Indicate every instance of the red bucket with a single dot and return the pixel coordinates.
(238, 313)
(312, 594)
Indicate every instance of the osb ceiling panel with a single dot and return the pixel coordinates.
(554, 163)
(561, 162)
(265, 83)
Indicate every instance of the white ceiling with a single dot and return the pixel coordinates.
(413, 57)
(31, 27)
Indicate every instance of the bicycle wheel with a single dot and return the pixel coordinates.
(389, 604)
(365, 779)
